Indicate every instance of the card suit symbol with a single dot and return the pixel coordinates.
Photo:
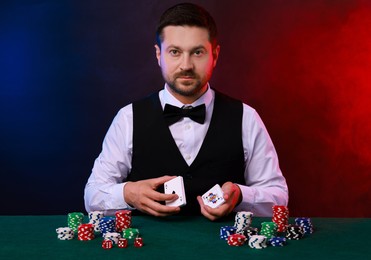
(173, 192)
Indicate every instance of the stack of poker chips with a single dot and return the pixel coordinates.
(107, 224)
(258, 242)
(74, 220)
(65, 233)
(226, 231)
(243, 220)
(277, 241)
(306, 224)
(130, 233)
(123, 220)
(85, 232)
(250, 231)
(268, 229)
(113, 236)
(281, 217)
(94, 218)
(236, 240)
(294, 232)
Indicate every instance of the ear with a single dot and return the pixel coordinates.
(216, 54)
(158, 54)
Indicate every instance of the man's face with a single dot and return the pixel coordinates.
(186, 60)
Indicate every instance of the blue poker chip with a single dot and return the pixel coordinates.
(226, 231)
(277, 241)
(107, 224)
(306, 224)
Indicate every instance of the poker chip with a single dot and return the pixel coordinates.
(250, 231)
(277, 241)
(273, 233)
(280, 217)
(130, 233)
(113, 236)
(94, 218)
(306, 224)
(226, 231)
(294, 232)
(85, 232)
(74, 219)
(107, 224)
(258, 242)
(65, 233)
(123, 220)
(236, 240)
(268, 229)
(243, 220)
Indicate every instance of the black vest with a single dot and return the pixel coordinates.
(219, 160)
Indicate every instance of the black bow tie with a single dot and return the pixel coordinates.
(173, 114)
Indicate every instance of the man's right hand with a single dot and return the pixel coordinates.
(143, 196)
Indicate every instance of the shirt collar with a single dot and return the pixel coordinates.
(206, 98)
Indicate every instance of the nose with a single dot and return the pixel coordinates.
(186, 63)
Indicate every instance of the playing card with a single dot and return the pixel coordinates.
(176, 186)
(213, 197)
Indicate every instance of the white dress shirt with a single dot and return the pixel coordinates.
(264, 186)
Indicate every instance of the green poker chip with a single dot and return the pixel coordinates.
(130, 233)
(74, 219)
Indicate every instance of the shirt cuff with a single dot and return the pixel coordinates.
(248, 199)
(118, 200)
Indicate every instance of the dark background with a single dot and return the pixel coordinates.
(67, 67)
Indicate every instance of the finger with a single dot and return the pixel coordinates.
(157, 209)
(151, 199)
(205, 209)
(158, 196)
(232, 193)
(227, 189)
(156, 182)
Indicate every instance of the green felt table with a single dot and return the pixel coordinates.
(180, 237)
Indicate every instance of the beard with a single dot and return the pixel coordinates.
(186, 88)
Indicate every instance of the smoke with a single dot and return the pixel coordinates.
(309, 76)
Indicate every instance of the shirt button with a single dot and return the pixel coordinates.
(187, 157)
(187, 127)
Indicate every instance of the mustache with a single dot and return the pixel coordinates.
(186, 73)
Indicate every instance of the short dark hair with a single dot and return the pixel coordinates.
(187, 14)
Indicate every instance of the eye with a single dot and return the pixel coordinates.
(174, 52)
(199, 53)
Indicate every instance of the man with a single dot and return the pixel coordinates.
(145, 146)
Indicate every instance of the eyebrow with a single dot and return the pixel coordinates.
(193, 49)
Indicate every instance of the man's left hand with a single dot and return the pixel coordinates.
(232, 197)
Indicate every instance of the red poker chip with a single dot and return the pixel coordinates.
(85, 232)
(123, 219)
(281, 220)
(236, 240)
